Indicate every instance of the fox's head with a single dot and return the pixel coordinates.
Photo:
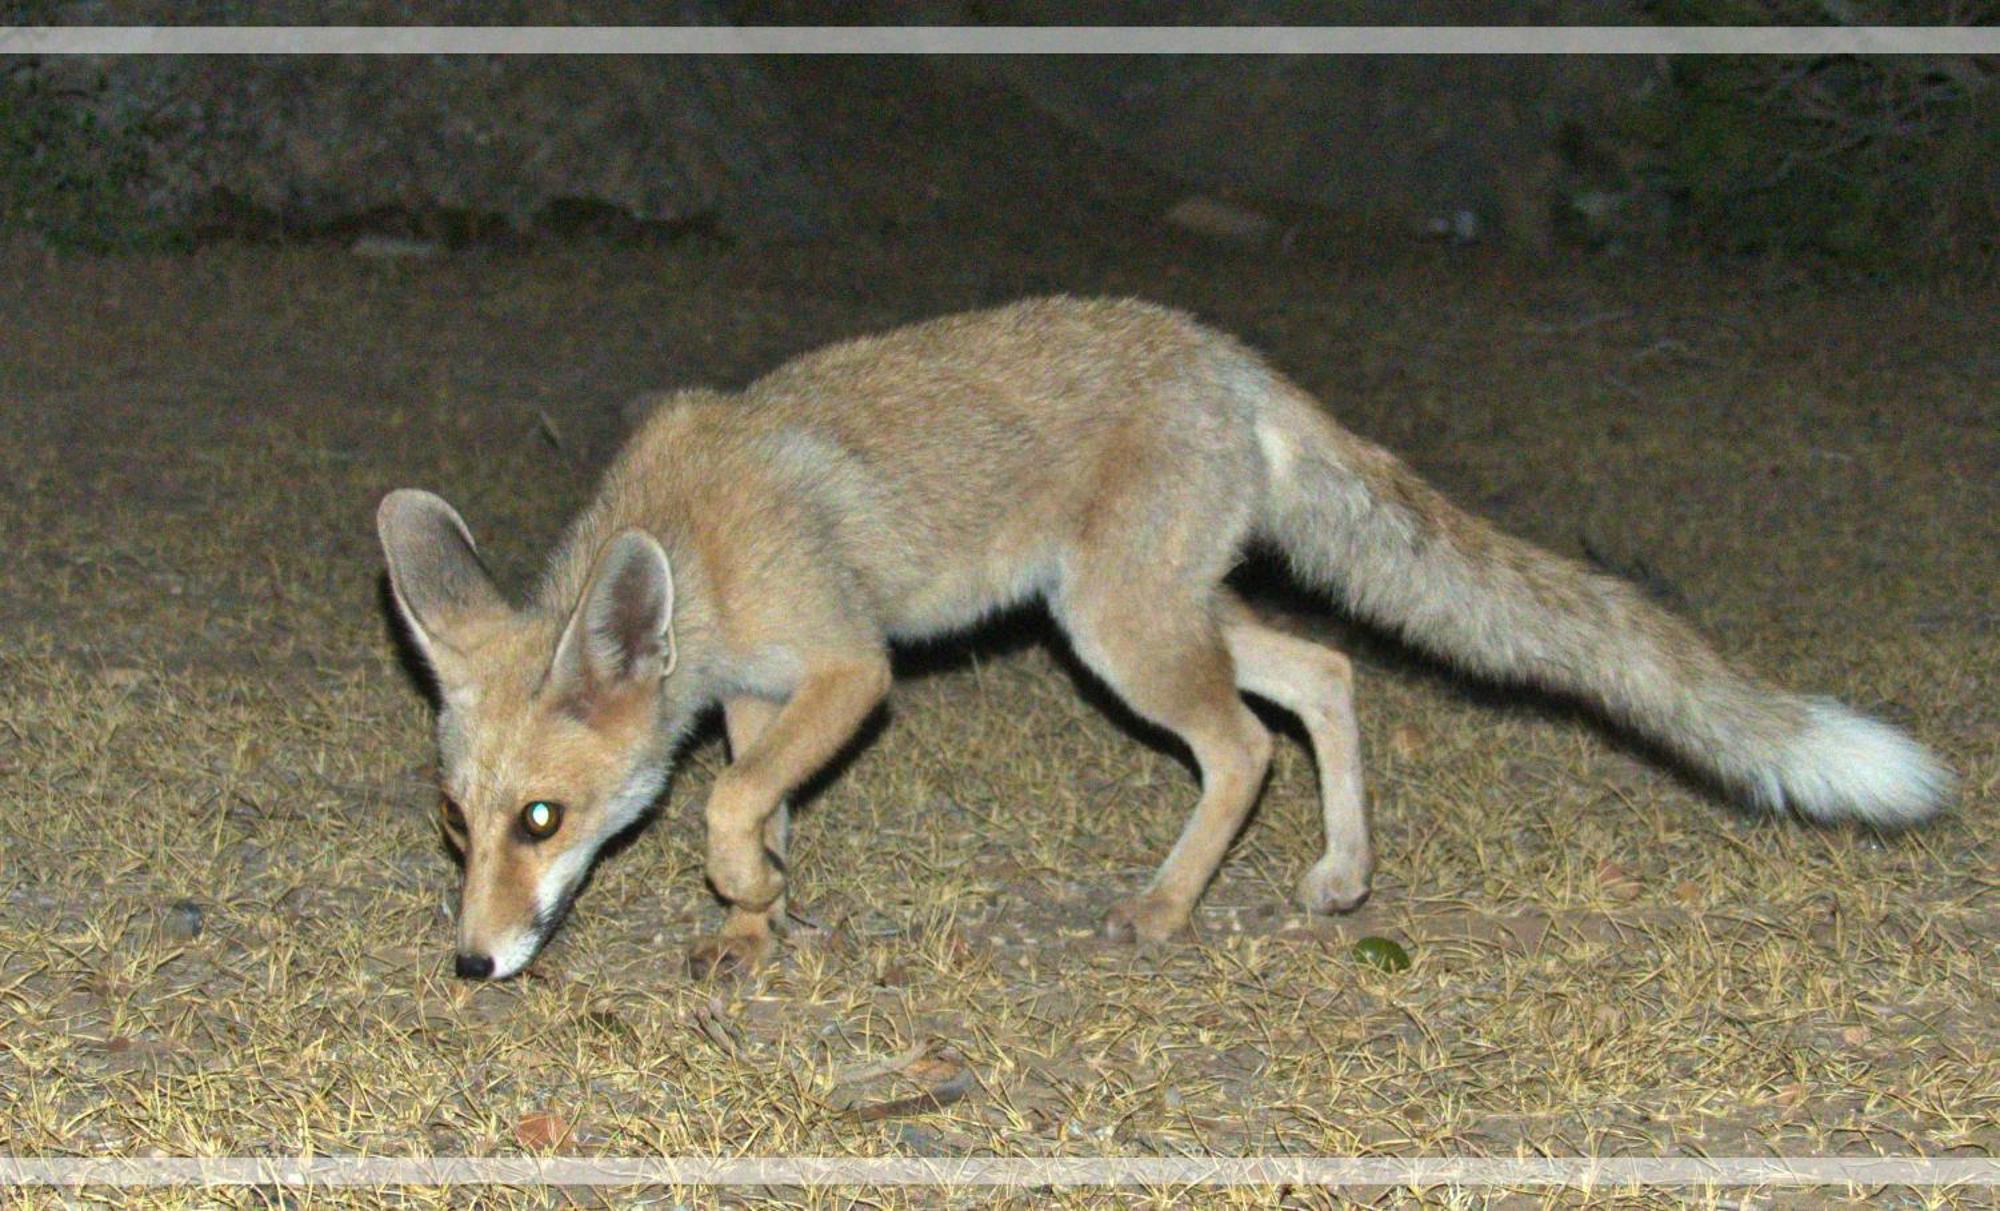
(548, 736)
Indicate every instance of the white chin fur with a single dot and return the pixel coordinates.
(513, 956)
(561, 875)
(1844, 765)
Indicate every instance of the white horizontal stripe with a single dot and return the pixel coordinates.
(1606, 1173)
(996, 40)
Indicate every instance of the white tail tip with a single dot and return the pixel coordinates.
(1846, 766)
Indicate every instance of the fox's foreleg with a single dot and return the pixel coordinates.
(828, 706)
(746, 936)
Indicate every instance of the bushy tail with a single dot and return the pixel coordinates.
(1354, 520)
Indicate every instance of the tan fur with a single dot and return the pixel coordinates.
(1112, 458)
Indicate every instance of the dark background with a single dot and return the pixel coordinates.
(1879, 164)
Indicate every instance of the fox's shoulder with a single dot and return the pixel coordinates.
(1034, 349)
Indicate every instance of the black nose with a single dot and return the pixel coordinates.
(474, 967)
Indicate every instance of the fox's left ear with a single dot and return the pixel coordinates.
(621, 635)
(439, 584)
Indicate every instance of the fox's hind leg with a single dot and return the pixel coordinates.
(1166, 657)
(746, 936)
(1315, 683)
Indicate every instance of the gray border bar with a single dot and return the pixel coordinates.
(1473, 1172)
(996, 40)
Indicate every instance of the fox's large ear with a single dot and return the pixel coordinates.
(434, 572)
(621, 634)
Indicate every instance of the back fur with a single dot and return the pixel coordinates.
(1353, 519)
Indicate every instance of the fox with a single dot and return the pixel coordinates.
(1113, 460)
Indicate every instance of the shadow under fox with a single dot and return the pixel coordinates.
(1112, 458)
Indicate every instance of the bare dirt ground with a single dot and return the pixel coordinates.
(203, 722)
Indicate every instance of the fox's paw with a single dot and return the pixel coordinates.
(1334, 885)
(728, 955)
(746, 879)
(1149, 917)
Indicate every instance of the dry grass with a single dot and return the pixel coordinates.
(199, 702)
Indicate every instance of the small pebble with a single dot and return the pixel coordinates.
(182, 921)
(1382, 953)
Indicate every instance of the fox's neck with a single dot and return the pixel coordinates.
(633, 493)
(618, 507)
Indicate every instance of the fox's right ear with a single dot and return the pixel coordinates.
(436, 577)
(620, 639)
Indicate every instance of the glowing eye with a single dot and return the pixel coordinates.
(541, 819)
(454, 819)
